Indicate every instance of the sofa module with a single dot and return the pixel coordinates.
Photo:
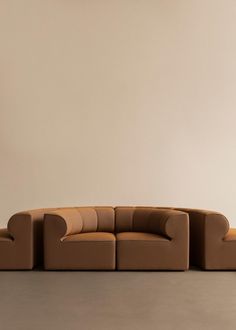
(21, 243)
(126, 238)
(80, 238)
(212, 241)
(152, 239)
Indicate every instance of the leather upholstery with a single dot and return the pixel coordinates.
(94, 236)
(152, 239)
(5, 236)
(212, 242)
(231, 235)
(21, 243)
(131, 237)
(84, 238)
(74, 238)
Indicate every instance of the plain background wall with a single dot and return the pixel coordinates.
(116, 103)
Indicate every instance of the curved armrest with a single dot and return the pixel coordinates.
(168, 222)
(63, 222)
(207, 224)
(207, 231)
(26, 228)
(18, 223)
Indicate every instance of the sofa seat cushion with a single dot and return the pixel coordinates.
(84, 251)
(140, 251)
(4, 235)
(231, 235)
(136, 236)
(94, 236)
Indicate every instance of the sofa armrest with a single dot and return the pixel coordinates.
(168, 222)
(207, 231)
(20, 228)
(26, 229)
(19, 222)
(63, 222)
(207, 224)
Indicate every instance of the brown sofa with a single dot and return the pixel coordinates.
(212, 241)
(106, 238)
(121, 237)
(21, 243)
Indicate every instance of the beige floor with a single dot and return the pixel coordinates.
(117, 300)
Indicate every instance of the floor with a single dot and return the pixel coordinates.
(117, 300)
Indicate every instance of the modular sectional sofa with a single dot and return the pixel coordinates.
(124, 238)
(99, 238)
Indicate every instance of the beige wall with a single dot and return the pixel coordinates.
(117, 102)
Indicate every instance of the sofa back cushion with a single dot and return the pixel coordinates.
(96, 219)
(132, 219)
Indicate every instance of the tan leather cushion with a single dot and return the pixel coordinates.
(231, 235)
(4, 235)
(133, 236)
(96, 236)
(96, 219)
(137, 250)
(86, 251)
(132, 218)
(106, 219)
